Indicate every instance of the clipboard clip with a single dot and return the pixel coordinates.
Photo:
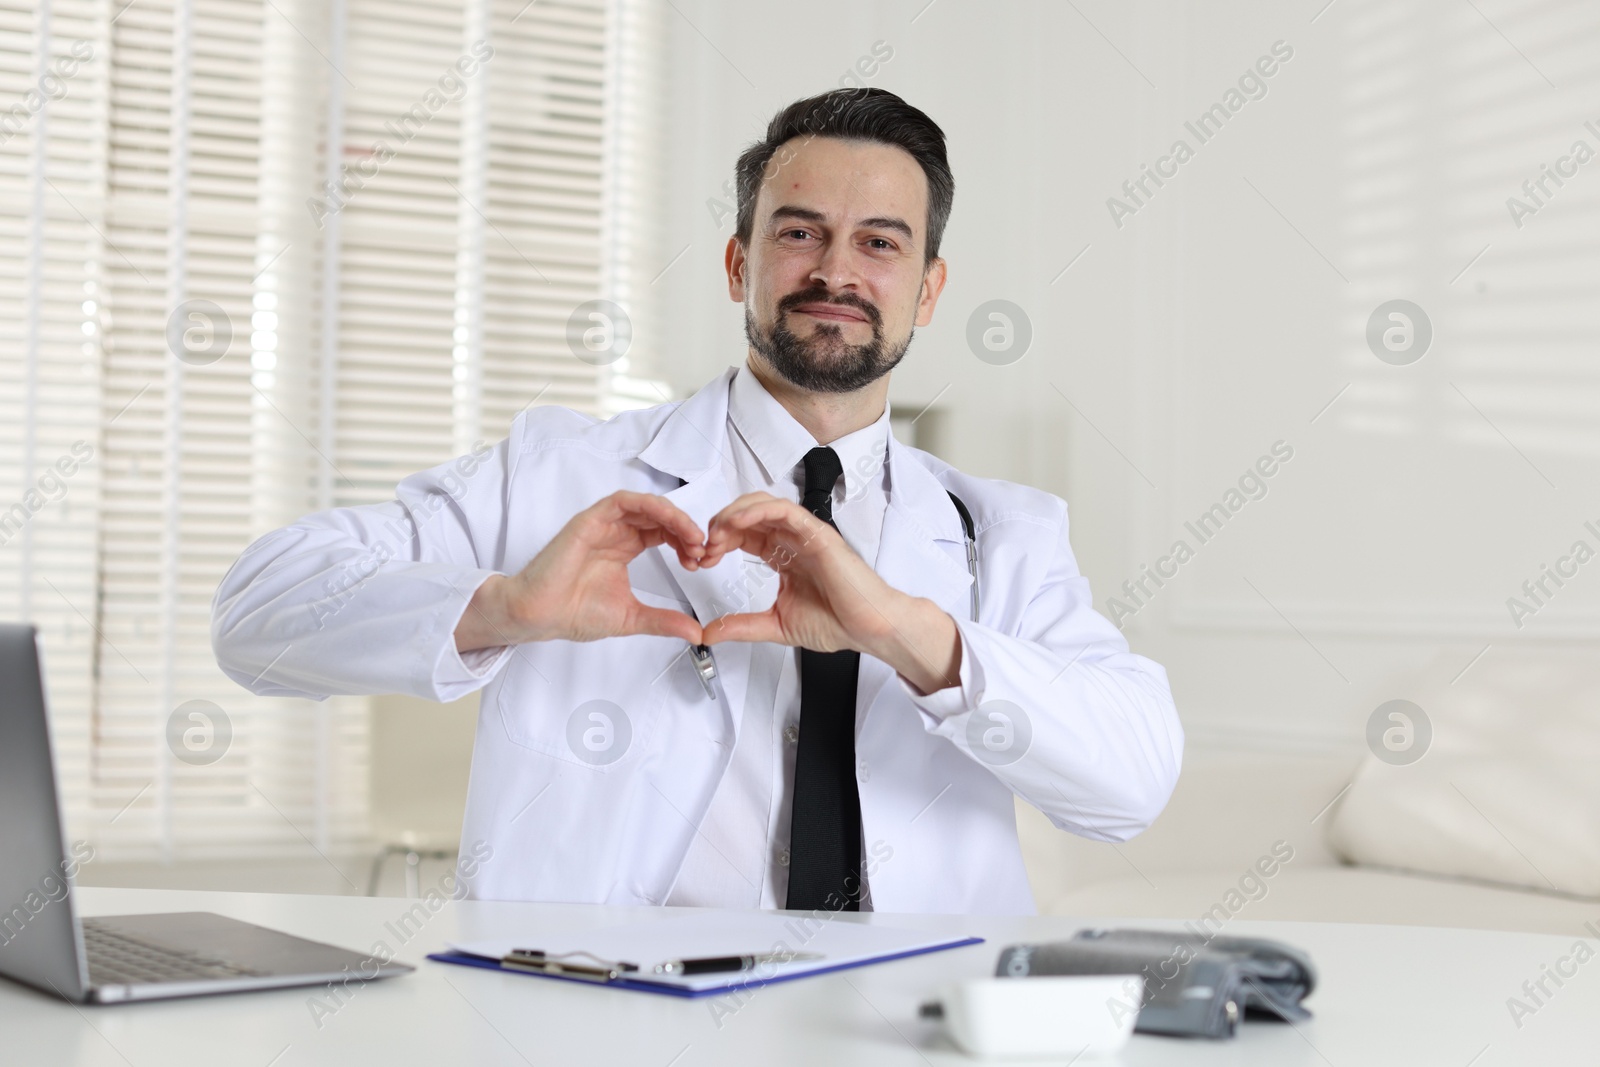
(563, 965)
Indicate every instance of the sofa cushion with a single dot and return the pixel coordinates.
(1508, 789)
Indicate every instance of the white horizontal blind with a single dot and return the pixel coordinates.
(182, 461)
(397, 263)
(544, 245)
(52, 105)
(335, 339)
(467, 249)
(634, 257)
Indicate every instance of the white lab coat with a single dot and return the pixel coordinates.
(366, 600)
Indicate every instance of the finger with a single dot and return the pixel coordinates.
(690, 556)
(733, 526)
(746, 626)
(791, 522)
(743, 501)
(757, 542)
(648, 509)
(778, 534)
(771, 512)
(648, 514)
(664, 622)
(744, 505)
(772, 547)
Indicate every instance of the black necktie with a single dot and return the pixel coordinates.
(825, 824)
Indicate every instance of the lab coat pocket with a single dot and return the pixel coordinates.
(592, 703)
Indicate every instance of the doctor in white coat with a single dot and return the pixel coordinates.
(728, 648)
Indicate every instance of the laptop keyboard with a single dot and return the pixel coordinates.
(115, 958)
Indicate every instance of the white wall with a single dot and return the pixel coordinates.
(1228, 311)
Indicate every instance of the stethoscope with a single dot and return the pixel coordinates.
(706, 666)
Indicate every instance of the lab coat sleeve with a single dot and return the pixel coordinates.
(366, 599)
(1103, 739)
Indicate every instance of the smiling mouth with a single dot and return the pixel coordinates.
(832, 312)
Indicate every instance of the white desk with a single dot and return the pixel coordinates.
(1388, 995)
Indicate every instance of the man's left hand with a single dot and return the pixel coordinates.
(828, 597)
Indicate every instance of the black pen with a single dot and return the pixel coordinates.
(721, 964)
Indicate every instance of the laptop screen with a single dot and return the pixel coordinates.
(39, 939)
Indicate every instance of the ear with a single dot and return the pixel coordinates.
(933, 280)
(733, 260)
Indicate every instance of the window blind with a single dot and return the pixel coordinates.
(52, 109)
(262, 259)
(185, 762)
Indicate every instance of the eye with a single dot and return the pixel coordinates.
(880, 244)
(795, 234)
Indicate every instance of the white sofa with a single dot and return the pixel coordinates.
(1230, 807)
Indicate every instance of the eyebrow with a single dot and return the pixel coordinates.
(877, 222)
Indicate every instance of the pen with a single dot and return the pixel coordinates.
(705, 667)
(719, 964)
(561, 964)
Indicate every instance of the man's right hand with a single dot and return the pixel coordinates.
(576, 588)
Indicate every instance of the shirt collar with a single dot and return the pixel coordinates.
(780, 442)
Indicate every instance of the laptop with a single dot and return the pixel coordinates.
(115, 958)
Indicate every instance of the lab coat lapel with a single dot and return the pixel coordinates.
(689, 445)
(921, 553)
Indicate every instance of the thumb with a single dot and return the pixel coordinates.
(750, 626)
(664, 622)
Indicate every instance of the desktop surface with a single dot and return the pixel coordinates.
(1387, 995)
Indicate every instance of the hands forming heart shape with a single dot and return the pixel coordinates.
(577, 587)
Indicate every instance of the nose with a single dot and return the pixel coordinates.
(835, 269)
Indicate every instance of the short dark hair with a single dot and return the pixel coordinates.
(864, 114)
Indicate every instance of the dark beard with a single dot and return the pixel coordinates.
(824, 363)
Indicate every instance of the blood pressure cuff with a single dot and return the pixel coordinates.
(1194, 986)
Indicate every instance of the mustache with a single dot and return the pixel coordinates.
(822, 296)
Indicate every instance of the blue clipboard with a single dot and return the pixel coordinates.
(737, 980)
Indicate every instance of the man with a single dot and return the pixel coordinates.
(727, 646)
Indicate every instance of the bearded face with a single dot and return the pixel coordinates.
(814, 354)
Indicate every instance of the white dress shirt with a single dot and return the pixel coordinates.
(740, 857)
